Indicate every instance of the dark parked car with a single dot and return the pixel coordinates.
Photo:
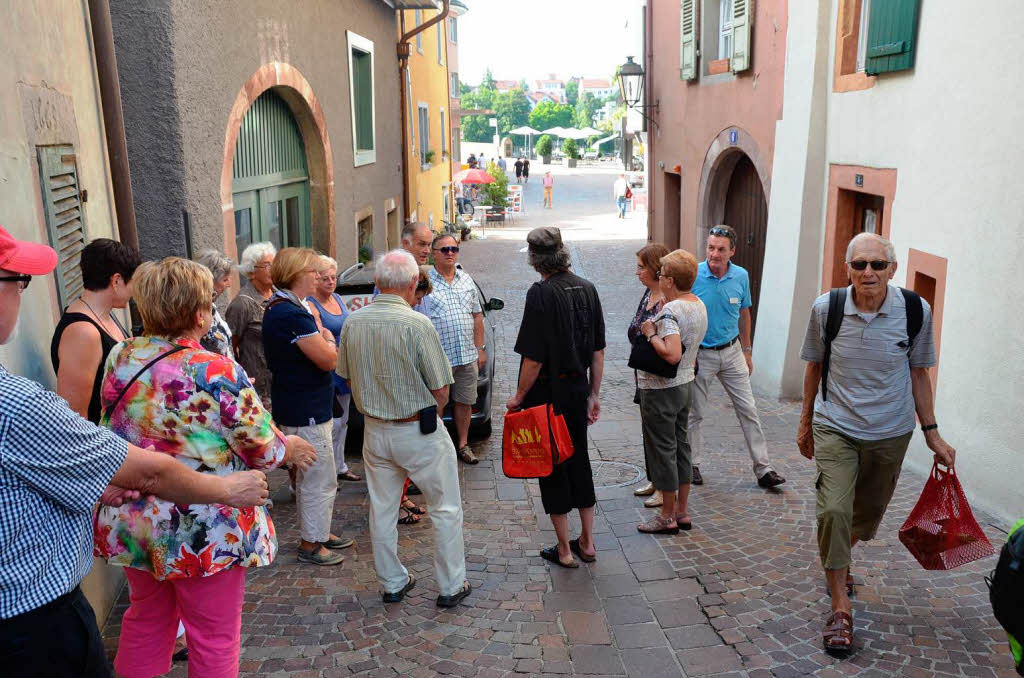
(357, 291)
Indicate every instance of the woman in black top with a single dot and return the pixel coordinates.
(648, 261)
(88, 329)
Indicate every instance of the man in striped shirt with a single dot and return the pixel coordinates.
(399, 375)
(858, 429)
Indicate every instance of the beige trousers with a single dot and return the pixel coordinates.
(317, 486)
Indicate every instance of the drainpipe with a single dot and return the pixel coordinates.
(113, 121)
(403, 73)
(651, 133)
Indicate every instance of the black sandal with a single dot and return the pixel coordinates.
(413, 508)
(409, 518)
(574, 546)
(550, 554)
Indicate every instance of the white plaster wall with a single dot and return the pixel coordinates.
(951, 127)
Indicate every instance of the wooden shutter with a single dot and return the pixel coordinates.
(742, 23)
(65, 220)
(892, 29)
(688, 40)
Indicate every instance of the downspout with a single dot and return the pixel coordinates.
(403, 74)
(651, 133)
(113, 121)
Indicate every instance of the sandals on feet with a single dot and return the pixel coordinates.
(683, 524)
(851, 587)
(407, 517)
(348, 475)
(409, 506)
(550, 554)
(838, 634)
(659, 525)
(574, 546)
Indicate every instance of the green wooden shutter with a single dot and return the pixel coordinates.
(688, 40)
(742, 22)
(65, 220)
(362, 75)
(892, 30)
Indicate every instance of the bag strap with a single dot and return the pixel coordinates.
(551, 436)
(110, 408)
(915, 315)
(834, 319)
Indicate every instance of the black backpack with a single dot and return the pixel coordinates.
(1006, 592)
(836, 304)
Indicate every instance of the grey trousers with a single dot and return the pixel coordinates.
(663, 414)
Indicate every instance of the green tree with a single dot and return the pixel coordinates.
(488, 81)
(544, 145)
(512, 109)
(464, 89)
(586, 107)
(476, 127)
(572, 91)
(523, 86)
(548, 114)
(570, 149)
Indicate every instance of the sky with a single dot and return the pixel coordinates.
(533, 38)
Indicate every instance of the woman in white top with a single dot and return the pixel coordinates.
(675, 333)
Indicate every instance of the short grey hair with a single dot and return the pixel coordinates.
(325, 262)
(219, 263)
(409, 230)
(549, 263)
(252, 254)
(395, 270)
(890, 251)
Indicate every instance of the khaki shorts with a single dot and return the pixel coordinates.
(464, 389)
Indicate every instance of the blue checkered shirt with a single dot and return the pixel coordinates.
(452, 309)
(53, 467)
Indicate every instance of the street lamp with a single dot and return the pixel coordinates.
(631, 86)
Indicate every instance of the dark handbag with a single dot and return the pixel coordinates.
(109, 410)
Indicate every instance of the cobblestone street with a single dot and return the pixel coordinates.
(742, 594)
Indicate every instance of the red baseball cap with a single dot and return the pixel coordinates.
(30, 258)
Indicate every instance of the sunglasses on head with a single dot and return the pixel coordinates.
(876, 265)
(723, 232)
(448, 249)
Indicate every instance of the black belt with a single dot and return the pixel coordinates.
(44, 609)
(722, 346)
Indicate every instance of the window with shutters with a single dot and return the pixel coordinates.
(65, 220)
(424, 120)
(453, 89)
(453, 30)
(688, 40)
(361, 93)
(419, 36)
(892, 32)
(440, 42)
(851, 46)
(716, 36)
(724, 28)
(444, 134)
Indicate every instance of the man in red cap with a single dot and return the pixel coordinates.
(54, 467)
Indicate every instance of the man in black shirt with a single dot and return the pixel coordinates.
(562, 337)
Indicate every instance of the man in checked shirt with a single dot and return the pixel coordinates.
(458, 319)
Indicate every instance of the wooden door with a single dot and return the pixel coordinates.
(747, 212)
(672, 210)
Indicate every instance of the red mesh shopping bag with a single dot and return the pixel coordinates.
(941, 531)
(533, 442)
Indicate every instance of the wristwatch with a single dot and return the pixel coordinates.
(929, 427)
(482, 348)
(748, 349)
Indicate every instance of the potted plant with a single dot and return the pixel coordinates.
(496, 193)
(572, 152)
(429, 157)
(543, 149)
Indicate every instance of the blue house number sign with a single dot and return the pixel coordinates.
(734, 136)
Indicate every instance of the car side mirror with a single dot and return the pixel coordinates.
(494, 304)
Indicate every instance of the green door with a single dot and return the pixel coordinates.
(270, 177)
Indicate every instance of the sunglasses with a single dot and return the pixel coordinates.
(22, 280)
(877, 265)
(448, 249)
(723, 232)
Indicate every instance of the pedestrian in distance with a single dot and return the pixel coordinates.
(868, 348)
(501, 164)
(330, 311)
(648, 265)
(400, 378)
(88, 329)
(472, 161)
(218, 338)
(620, 189)
(56, 467)
(198, 408)
(665, 401)
(725, 353)
(458, 318)
(519, 171)
(526, 170)
(301, 355)
(561, 342)
(549, 187)
(245, 316)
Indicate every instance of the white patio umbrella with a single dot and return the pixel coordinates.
(529, 132)
(555, 131)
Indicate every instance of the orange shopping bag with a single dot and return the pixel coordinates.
(533, 442)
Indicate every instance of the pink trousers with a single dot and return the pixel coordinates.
(211, 609)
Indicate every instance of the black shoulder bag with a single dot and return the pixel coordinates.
(109, 410)
(642, 356)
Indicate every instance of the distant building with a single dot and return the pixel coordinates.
(456, 9)
(536, 97)
(598, 88)
(551, 86)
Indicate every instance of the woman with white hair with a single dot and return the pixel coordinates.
(218, 339)
(331, 311)
(245, 316)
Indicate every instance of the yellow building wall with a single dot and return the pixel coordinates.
(428, 86)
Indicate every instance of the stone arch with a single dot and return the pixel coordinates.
(292, 86)
(719, 162)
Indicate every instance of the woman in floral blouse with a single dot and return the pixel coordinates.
(200, 408)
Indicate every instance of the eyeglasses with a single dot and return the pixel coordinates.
(22, 280)
(723, 232)
(448, 249)
(266, 265)
(876, 265)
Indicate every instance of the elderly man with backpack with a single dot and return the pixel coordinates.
(869, 347)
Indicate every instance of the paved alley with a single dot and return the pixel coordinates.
(740, 595)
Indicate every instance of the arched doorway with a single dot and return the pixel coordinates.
(746, 210)
(270, 177)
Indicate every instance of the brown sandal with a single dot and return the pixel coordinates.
(838, 633)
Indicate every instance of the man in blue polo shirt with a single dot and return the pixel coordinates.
(724, 288)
